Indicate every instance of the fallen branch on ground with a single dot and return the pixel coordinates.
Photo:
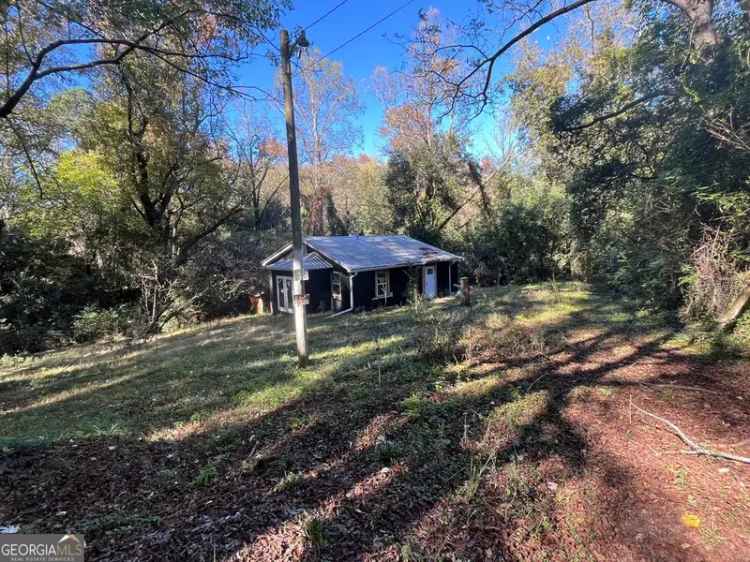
(679, 387)
(545, 356)
(540, 377)
(695, 448)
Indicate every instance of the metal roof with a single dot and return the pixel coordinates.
(362, 253)
(312, 262)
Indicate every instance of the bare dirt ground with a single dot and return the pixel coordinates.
(521, 443)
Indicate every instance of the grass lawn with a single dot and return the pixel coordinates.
(435, 432)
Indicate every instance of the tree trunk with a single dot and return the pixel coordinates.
(731, 314)
(700, 13)
(745, 6)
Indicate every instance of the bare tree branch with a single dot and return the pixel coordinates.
(27, 155)
(193, 240)
(616, 113)
(37, 72)
(488, 63)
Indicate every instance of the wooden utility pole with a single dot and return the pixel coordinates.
(298, 251)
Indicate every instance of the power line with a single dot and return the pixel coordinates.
(267, 40)
(328, 13)
(367, 29)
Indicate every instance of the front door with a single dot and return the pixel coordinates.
(430, 282)
(284, 289)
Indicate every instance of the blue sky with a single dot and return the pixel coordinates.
(378, 47)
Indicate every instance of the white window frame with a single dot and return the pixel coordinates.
(279, 280)
(337, 279)
(383, 288)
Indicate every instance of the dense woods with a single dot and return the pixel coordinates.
(140, 188)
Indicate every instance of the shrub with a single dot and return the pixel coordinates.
(518, 244)
(389, 452)
(93, 323)
(288, 481)
(206, 476)
(17, 337)
(714, 278)
(500, 339)
(742, 330)
(42, 287)
(437, 333)
(314, 531)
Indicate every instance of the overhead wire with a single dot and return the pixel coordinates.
(351, 39)
(364, 31)
(313, 23)
(324, 16)
(267, 40)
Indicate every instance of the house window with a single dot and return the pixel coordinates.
(338, 289)
(382, 284)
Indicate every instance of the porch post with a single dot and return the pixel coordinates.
(351, 290)
(466, 290)
(450, 280)
(271, 294)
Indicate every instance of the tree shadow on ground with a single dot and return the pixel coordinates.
(152, 388)
(380, 456)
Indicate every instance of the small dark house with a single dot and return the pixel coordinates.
(344, 273)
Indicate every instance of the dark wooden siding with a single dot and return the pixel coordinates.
(399, 285)
(447, 275)
(402, 280)
(364, 288)
(319, 289)
(442, 278)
